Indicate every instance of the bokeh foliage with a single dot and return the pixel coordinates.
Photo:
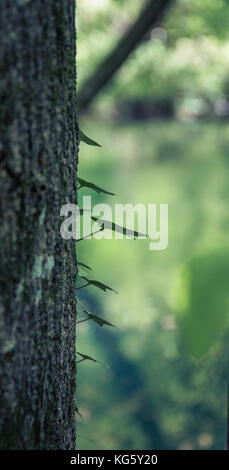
(187, 56)
(167, 385)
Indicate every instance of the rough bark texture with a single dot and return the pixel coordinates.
(38, 146)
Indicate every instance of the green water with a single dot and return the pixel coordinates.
(154, 395)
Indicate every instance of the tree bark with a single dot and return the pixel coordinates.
(150, 14)
(38, 146)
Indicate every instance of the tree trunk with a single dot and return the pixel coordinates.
(38, 146)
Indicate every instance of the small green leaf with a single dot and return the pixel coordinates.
(85, 357)
(118, 228)
(84, 138)
(84, 266)
(93, 186)
(100, 321)
(98, 284)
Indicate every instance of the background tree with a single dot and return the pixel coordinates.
(38, 128)
(149, 15)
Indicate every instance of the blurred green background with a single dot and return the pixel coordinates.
(164, 130)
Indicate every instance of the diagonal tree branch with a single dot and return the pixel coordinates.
(150, 14)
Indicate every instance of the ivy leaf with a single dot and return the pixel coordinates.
(100, 321)
(98, 284)
(91, 316)
(84, 266)
(118, 228)
(87, 140)
(88, 184)
(85, 357)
